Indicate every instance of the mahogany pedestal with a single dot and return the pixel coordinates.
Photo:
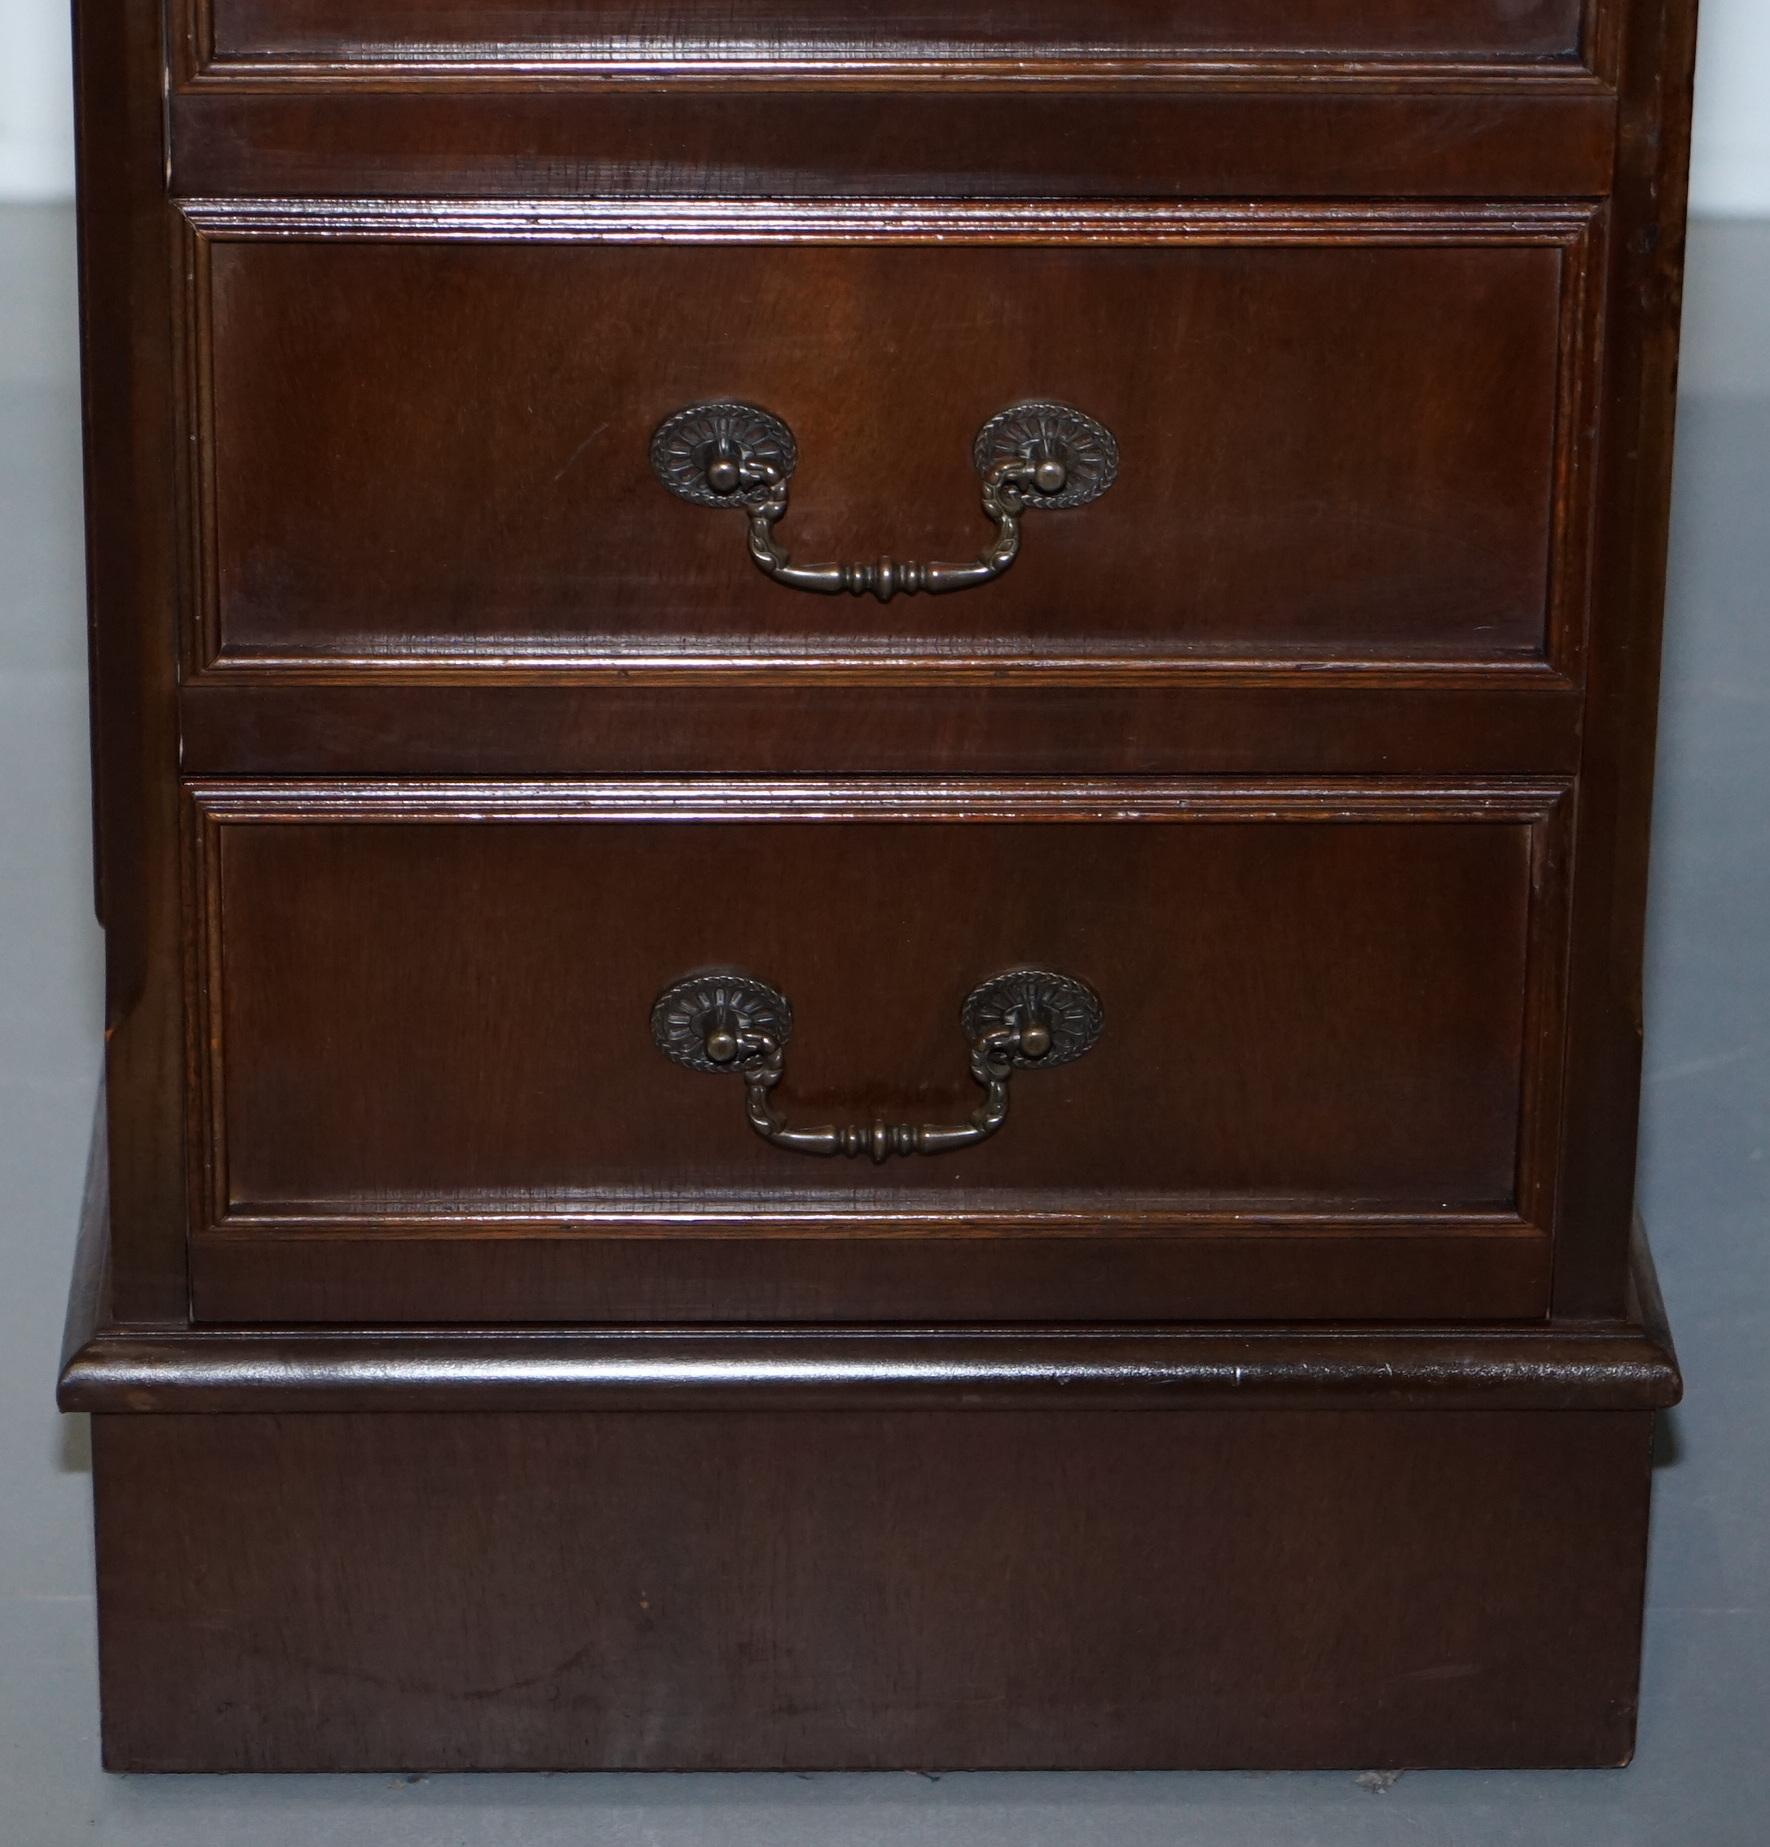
(1167, 1548)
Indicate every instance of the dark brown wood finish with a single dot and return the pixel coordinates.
(293, 1370)
(1397, 720)
(1304, 1274)
(1479, 1496)
(1301, 140)
(442, 1039)
(1627, 1365)
(1616, 802)
(1453, 100)
(940, 1589)
(1297, 720)
(798, 37)
(475, 1389)
(1321, 1008)
(133, 594)
(1343, 436)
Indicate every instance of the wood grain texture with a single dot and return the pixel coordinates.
(1301, 141)
(305, 1370)
(1343, 436)
(1275, 1391)
(128, 374)
(935, 1589)
(1297, 721)
(1326, 132)
(788, 37)
(106, 1367)
(1645, 296)
(1320, 1003)
(1463, 1270)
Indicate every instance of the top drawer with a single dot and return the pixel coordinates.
(566, 99)
(804, 35)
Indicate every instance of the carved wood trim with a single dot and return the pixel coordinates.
(861, 799)
(1626, 1364)
(292, 1371)
(873, 221)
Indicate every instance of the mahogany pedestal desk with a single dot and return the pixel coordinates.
(715, 1159)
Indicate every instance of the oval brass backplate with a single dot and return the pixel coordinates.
(1069, 1009)
(1040, 430)
(691, 1011)
(754, 444)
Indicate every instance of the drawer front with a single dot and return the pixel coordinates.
(784, 36)
(432, 1088)
(1342, 439)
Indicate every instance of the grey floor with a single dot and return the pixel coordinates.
(1703, 1772)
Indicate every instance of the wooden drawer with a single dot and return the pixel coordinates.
(782, 99)
(1345, 438)
(1325, 1084)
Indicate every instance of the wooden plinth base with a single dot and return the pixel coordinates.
(1182, 1548)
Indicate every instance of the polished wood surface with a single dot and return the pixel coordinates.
(290, 1274)
(1320, 1013)
(1279, 719)
(1326, 1009)
(1305, 139)
(702, 1590)
(432, 738)
(1479, 1494)
(1627, 1365)
(128, 370)
(1339, 439)
(800, 35)
(1531, 161)
(1597, 139)
(1645, 296)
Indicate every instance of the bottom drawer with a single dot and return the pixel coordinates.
(1306, 1068)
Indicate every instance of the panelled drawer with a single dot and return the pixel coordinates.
(423, 1050)
(1345, 437)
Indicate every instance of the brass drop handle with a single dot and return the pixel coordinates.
(1027, 1018)
(1031, 457)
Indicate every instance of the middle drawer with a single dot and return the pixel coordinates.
(1343, 435)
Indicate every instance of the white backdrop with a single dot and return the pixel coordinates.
(1732, 161)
